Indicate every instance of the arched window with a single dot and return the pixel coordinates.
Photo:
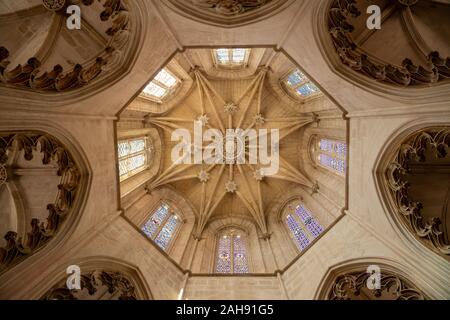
(133, 156)
(161, 86)
(231, 254)
(330, 154)
(299, 85)
(303, 227)
(237, 57)
(162, 226)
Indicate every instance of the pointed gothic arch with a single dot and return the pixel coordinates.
(413, 159)
(51, 146)
(368, 279)
(102, 278)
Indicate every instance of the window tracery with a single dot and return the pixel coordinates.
(299, 85)
(303, 227)
(330, 154)
(236, 57)
(231, 256)
(162, 226)
(162, 85)
(133, 156)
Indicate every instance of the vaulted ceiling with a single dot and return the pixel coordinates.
(251, 97)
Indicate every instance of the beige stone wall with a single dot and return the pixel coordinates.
(228, 288)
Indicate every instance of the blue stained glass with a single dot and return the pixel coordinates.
(333, 147)
(295, 77)
(240, 255)
(311, 224)
(307, 89)
(301, 239)
(155, 220)
(223, 264)
(332, 163)
(166, 233)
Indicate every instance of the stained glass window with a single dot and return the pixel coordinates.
(133, 155)
(161, 86)
(231, 253)
(303, 227)
(300, 85)
(232, 57)
(332, 155)
(161, 226)
(311, 224)
(223, 264)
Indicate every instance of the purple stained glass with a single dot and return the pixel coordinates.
(223, 264)
(311, 224)
(334, 147)
(332, 163)
(300, 238)
(155, 220)
(166, 233)
(239, 255)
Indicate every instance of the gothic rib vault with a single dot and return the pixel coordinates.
(254, 97)
(238, 188)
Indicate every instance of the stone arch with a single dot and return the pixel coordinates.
(139, 212)
(283, 245)
(63, 215)
(229, 14)
(127, 279)
(408, 144)
(346, 280)
(364, 70)
(205, 259)
(87, 77)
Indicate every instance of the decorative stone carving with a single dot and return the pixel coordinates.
(96, 285)
(259, 119)
(414, 148)
(231, 187)
(230, 7)
(258, 174)
(228, 12)
(203, 176)
(53, 5)
(203, 119)
(231, 108)
(40, 232)
(408, 2)
(353, 286)
(29, 75)
(3, 174)
(408, 74)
